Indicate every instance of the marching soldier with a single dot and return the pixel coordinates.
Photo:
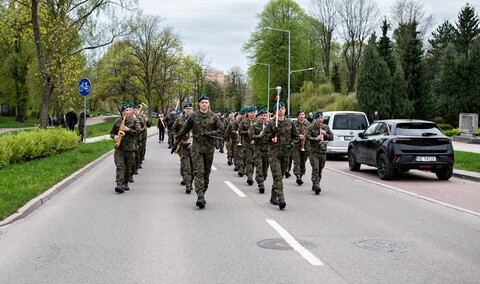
(238, 147)
(260, 149)
(169, 121)
(317, 135)
(205, 125)
(300, 151)
(228, 136)
(138, 154)
(124, 131)
(280, 136)
(219, 141)
(184, 148)
(247, 143)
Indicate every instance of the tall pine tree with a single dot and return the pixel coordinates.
(385, 47)
(467, 29)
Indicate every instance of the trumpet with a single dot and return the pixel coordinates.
(239, 138)
(303, 140)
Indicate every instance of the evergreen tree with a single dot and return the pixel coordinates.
(385, 47)
(444, 35)
(336, 78)
(373, 87)
(401, 106)
(445, 86)
(415, 76)
(467, 29)
(473, 82)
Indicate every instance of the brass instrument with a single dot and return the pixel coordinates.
(189, 142)
(229, 143)
(121, 133)
(304, 132)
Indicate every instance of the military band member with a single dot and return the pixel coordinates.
(124, 131)
(260, 148)
(238, 147)
(300, 149)
(219, 140)
(317, 135)
(169, 120)
(184, 148)
(280, 139)
(228, 138)
(247, 142)
(205, 126)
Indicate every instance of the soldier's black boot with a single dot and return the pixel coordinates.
(130, 179)
(299, 180)
(281, 203)
(235, 168)
(229, 161)
(287, 174)
(317, 190)
(274, 200)
(188, 189)
(125, 186)
(118, 188)
(240, 173)
(201, 202)
(221, 150)
(182, 182)
(250, 181)
(261, 188)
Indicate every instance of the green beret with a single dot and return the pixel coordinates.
(124, 106)
(241, 111)
(317, 114)
(204, 97)
(280, 104)
(187, 105)
(250, 109)
(300, 110)
(262, 111)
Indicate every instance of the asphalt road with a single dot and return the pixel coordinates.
(355, 231)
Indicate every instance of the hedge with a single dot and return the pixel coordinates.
(34, 144)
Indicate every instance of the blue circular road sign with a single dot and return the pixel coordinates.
(84, 87)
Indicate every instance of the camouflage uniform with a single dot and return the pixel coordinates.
(260, 154)
(169, 120)
(247, 147)
(148, 124)
(287, 136)
(124, 155)
(300, 157)
(317, 152)
(228, 140)
(202, 126)
(184, 152)
(237, 149)
(138, 154)
(81, 124)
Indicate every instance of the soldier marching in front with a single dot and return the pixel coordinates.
(184, 148)
(247, 143)
(260, 148)
(317, 135)
(300, 149)
(124, 131)
(205, 126)
(280, 136)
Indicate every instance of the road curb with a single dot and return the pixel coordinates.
(38, 201)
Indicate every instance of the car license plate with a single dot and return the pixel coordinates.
(347, 138)
(425, 158)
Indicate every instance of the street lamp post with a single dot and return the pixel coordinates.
(288, 84)
(268, 86)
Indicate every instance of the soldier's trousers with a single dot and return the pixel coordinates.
(202, 166)
(288, 162)
(276, 162)
(144, 148)
(261, 166)
(317, 160)
(230, 153)
(125, 162)
(170, 137)
(186, 165)
(299, 161)
(138, 154)
(248, 160)
(238, 157)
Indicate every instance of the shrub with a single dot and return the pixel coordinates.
(445, 127)
(451, 132)
(34, 144)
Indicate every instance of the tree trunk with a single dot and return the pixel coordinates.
(47, 80)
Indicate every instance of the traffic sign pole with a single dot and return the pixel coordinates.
(84, 88)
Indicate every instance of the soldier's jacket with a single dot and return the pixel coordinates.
(129, 140)
(177, 126)
(141, 121)
(169, 120)
(231, 131)
(315, 146)
(254, 134)
(302, 129)
(243, 130)
(147, 124)
(287, 136)
(199, 123)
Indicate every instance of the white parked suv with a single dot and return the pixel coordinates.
(344, 125)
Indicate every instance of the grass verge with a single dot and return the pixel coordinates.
(467, 161)
(19, 183)
(100, 129)
(9, 122)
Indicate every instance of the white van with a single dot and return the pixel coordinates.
(344, 126)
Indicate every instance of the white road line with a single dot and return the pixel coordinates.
(235, 189)
(213, 168)
(294, 244)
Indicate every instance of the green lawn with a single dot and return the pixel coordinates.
(467, 161)
(9, 122)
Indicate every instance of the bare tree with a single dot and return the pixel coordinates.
(405, 12)
(204, 63)
(325, 12)
(359, 19)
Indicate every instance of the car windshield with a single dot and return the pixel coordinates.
(351, 121)
(418, 129)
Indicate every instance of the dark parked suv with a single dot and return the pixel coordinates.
(401, 145)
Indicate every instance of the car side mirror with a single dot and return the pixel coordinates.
(361, 135)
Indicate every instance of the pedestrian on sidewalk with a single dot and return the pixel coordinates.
(161, 128)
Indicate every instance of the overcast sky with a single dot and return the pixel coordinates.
(219, 28)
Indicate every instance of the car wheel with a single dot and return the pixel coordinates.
(352, 164)
(444, 174)
(383, 168)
